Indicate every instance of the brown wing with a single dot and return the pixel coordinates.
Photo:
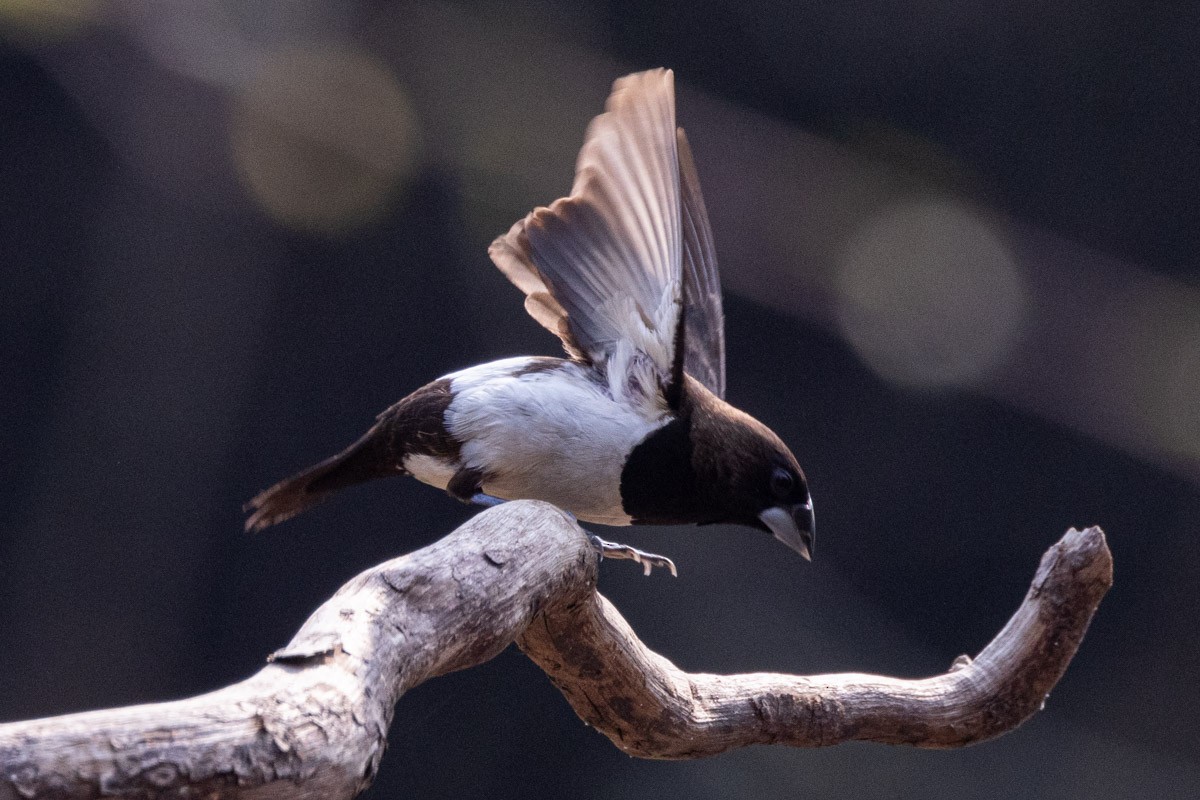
(611, 268)
(601, 267)
(704, 317)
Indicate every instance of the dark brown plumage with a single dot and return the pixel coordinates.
(712, 463)
(412, 426)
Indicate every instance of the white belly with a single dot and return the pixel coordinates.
(554, 435)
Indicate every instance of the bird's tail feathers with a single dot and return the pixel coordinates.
(360, 462)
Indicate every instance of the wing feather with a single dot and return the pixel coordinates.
(704, 315)
(610, 268)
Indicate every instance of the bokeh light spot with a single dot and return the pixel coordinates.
(47, 20)
(324, 138)
(929, 295)
(1156, 363)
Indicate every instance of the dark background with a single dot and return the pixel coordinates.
(959, 246)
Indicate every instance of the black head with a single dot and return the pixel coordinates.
(716, 464)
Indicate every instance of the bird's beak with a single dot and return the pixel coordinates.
(795, 526)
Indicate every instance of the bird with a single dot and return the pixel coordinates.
(631, 428)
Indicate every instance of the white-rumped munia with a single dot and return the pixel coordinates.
(631, 429)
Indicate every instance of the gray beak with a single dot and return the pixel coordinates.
(794, 526)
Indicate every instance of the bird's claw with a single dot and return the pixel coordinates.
(648, 560)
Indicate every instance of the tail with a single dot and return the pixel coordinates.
(366, 459)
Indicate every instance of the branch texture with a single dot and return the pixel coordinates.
(313, 722)
(652, 709)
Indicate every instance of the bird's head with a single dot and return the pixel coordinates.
(753, 473)
(717, 464)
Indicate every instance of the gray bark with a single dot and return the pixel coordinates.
(314, 721)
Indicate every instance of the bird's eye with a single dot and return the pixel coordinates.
(782, 483)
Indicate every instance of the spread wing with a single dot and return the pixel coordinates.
(610, 269)
(704, 317)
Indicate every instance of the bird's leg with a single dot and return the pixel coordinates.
(647, 560)
(467, 485)
(613, 550)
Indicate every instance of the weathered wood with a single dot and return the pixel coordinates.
(650, 708)
(313, 722)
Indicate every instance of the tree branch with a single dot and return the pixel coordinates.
(313, 722)
(650, 708)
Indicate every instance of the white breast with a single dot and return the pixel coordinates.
(554, 435)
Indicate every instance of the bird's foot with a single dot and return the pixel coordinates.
(648, 560)
(486, 500)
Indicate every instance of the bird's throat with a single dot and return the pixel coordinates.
(659, 485)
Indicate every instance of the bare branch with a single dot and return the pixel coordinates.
(650, 708)
(313, 723)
